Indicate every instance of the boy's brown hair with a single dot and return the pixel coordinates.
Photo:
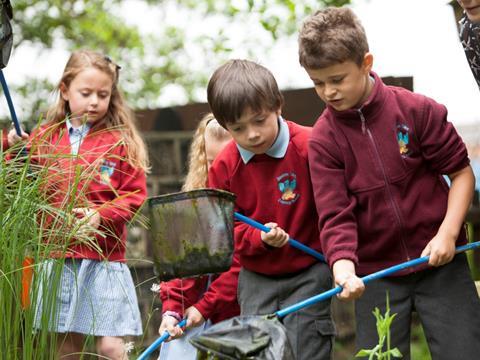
(331, 36)
(241, 85)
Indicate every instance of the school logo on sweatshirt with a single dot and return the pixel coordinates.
(403, 138)
(287, 182)
(106, 171)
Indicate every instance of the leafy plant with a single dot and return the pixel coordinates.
(384, 323)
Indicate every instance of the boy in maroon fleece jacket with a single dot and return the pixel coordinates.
(377, 155)
(267, 168)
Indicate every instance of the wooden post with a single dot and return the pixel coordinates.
(473, 222)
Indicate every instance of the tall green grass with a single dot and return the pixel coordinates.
(31, 227)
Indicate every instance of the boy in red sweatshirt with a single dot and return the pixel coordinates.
(377, 155)
(267, 168)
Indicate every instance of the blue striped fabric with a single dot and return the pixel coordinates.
(94, 297)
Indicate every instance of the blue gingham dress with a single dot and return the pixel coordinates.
(91, 297)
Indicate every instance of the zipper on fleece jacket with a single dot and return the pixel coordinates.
(366, 130)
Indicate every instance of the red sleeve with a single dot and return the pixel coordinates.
(222, 292)
(335, 205)
(248, 240)
(129, 196)
(4, 140)
(179, 294)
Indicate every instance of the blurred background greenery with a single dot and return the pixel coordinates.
(153, 63)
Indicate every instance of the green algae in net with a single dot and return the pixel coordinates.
(192, 233)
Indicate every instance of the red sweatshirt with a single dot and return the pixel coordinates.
(268, 190)
(271, 190)
(108, 183)
(5, 140)
(377, 177)
(179, 294)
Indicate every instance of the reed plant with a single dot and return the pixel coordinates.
(31, 229)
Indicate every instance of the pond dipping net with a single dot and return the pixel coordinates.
(192, 233)
(244, 337)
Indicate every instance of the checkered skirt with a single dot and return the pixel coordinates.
(89, 297)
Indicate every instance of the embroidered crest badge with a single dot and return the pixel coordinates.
(287, 183)
(106, 171)
(403, 139)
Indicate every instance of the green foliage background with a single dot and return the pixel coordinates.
(150, 62)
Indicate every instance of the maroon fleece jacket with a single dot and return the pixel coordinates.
(377, 177)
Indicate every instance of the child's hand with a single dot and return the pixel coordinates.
(13, 138)
(194, 317)
(169, 323)
(91, 218)
(441, 250)
(344, 274)
(277, 237)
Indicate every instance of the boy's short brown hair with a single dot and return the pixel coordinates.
(241, 85)
(331, 36)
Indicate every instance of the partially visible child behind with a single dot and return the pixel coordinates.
(470, 35)
(377, 155)
(97, 294)
(177, 295)
(267, 168)
(10, 138)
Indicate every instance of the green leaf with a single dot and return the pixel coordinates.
(396, 353)
(363, 352)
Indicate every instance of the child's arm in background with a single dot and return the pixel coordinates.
(442, 247)
(177, 295)
(220, 296)
(12, 138)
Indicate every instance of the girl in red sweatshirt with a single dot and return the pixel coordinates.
(179, 294)
(96, 163)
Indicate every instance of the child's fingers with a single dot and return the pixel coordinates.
(194, 317)
(175, 333)
(285, 238)
(426, 250)
(271, 225)
(438, 257)
(169, 324)
(280, 237)
(80, 211)
(353, 288)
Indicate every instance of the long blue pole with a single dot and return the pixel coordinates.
(296, 244)
(256, 225)
(13, 114)
(146, 354)
(366, 279)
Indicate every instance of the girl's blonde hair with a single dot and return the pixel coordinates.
(197, 175)
(118, 117)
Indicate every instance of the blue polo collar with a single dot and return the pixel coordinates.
(81, 131)
(279, 147)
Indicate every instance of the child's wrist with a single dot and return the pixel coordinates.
(343, 267)
(173, 314)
